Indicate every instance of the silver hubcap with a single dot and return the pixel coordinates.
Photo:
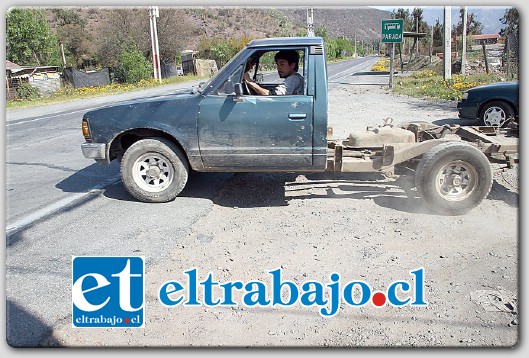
(495, 117)
(456, 180)
(153, 172)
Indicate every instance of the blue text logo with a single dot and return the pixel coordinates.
(108, 291)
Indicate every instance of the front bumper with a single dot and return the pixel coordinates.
(97, 151)
(467, 110)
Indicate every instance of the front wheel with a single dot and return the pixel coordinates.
(453, 178)
(154, 170)
(496, 114)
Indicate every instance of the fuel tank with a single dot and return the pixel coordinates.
(380, 136)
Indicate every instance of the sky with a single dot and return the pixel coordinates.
(488, 16)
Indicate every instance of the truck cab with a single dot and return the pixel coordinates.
(239, 130)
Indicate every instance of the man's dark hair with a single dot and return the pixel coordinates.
(291, 56)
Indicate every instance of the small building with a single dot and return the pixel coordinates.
(46, 79)
(195, 66)
(188, 62)
(487, 39)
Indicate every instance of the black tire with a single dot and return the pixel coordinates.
(453, 178)
(154, 170)
(496, 114)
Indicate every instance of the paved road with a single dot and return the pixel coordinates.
(356, 71)
(43, 156)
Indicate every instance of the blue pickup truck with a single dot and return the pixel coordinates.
(222, 126)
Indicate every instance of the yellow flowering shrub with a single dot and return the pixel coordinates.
(382, 65)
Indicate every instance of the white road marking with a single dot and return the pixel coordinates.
(56, 207)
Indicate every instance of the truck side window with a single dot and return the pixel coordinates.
(228, 87)
(285, 69)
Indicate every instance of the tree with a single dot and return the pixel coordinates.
(321, 31)
(344, 47)
(133, 66)
(417, 15)
(510, 35)
(29, 39)
(281, 23)
(511, 19)
(404, 14)
(131, 26)
(174, 31)
(474, 27)
(219, 49)
(68, 17)
(438, 34)
(122, 27)
(78, 43)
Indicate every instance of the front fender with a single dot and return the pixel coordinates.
(172, 117)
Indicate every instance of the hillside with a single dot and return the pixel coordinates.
(261, 22)
(363, 22)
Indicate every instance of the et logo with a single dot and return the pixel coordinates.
(108, 291)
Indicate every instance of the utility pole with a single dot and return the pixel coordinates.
(62, 55)
(447, 56)
(391, 65)
(431, 43)
(153, 14)
(310, 22)
(355, 47)
(363, 51)
(464, 41)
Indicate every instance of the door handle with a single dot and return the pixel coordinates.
(297, 116)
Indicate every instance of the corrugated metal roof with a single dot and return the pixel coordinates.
(485, 36)
(10, 65)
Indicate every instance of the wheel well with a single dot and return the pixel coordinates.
(122, 142)
(482, 106)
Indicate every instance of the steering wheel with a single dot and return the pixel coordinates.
(248, 89)
(245, 87)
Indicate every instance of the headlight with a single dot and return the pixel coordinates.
(465, 95)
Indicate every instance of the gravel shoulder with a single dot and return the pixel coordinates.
(363, 226)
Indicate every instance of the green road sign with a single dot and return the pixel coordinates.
(392, 30)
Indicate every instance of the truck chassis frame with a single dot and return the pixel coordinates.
(452, 163)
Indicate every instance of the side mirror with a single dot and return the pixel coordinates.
(238, 89)
(238, 92)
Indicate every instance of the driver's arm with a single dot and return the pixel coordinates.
(256, 88)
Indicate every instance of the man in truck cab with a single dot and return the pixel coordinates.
(287, 62)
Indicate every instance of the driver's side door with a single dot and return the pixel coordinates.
(252, 132)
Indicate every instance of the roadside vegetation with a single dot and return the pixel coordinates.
(426, 83)
(68, 93)
(382, 65)
(429, 81)
(430, 84)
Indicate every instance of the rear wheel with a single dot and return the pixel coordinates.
(453, 178)
(154, 170)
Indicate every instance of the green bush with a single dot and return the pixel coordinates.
(27, 91)
(133, 66)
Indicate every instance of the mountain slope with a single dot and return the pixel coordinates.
(363, 22)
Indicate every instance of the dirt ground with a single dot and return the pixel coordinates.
(362, 226)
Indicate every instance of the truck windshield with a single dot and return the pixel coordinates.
(201, 87)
